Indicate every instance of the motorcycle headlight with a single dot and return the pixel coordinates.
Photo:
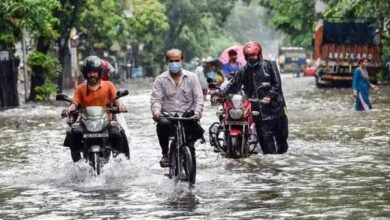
(236, 113)
(237, 100)
(94, 125)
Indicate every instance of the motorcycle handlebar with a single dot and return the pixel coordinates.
(71, 113)
(115, 110)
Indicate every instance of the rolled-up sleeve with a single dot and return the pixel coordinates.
(156, 97)
(198, 96)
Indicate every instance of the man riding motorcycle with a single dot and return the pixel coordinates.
(272, 123)
(94, 92)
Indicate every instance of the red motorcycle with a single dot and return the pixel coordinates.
(234, 134)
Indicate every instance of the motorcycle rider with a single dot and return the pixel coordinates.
(175, 90)
(108, 70)
(94, 92)
(272, 127)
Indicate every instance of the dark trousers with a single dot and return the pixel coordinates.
(273, 135)
(164, 131)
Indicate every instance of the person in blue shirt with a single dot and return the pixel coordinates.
(232, 67)
(361, 86)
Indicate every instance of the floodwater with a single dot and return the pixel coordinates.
(337, 166)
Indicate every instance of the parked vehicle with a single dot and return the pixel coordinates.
(309, 71)
(291, 57)
(94, 121)
(338, 47)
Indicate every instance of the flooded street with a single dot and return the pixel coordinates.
(337, 166)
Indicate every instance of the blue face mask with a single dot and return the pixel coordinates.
(174, 67)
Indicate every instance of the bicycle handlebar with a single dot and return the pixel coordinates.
(179, 117)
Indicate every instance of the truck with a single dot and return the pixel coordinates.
(290, 57)
(338, 47)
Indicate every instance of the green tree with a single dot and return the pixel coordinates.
(249, 22)
(68, 15)
(194, 23)
(35, 17)
(127, 22)
(122, 21)
(295, 18)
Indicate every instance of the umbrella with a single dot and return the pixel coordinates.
(224, 57)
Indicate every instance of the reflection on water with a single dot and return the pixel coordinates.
(337, 166)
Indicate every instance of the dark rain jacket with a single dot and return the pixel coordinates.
(250, 78)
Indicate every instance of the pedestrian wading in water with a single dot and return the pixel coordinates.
(361, 86)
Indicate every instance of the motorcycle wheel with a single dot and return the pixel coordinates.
(233, 146)
(188, 162)
(244, 148)
(126, 148)
(96, 163)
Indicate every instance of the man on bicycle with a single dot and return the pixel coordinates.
(175, 90)
(272, 127)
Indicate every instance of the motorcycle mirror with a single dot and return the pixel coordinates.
(63, 97)
(122, 93)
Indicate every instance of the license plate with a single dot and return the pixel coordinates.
(95, 135)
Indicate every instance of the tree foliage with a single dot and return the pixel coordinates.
(296, 18)
(249, 22)
(122, 21)
(193, 24)
(33, 16)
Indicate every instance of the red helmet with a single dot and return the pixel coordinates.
(252, 48)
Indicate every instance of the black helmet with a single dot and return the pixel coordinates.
(92, 63)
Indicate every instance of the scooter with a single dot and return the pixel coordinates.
(94, 122)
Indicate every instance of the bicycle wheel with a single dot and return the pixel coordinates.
(233, 147)
(188, 162)
(173, 161)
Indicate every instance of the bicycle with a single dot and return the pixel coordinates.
(182, 161)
